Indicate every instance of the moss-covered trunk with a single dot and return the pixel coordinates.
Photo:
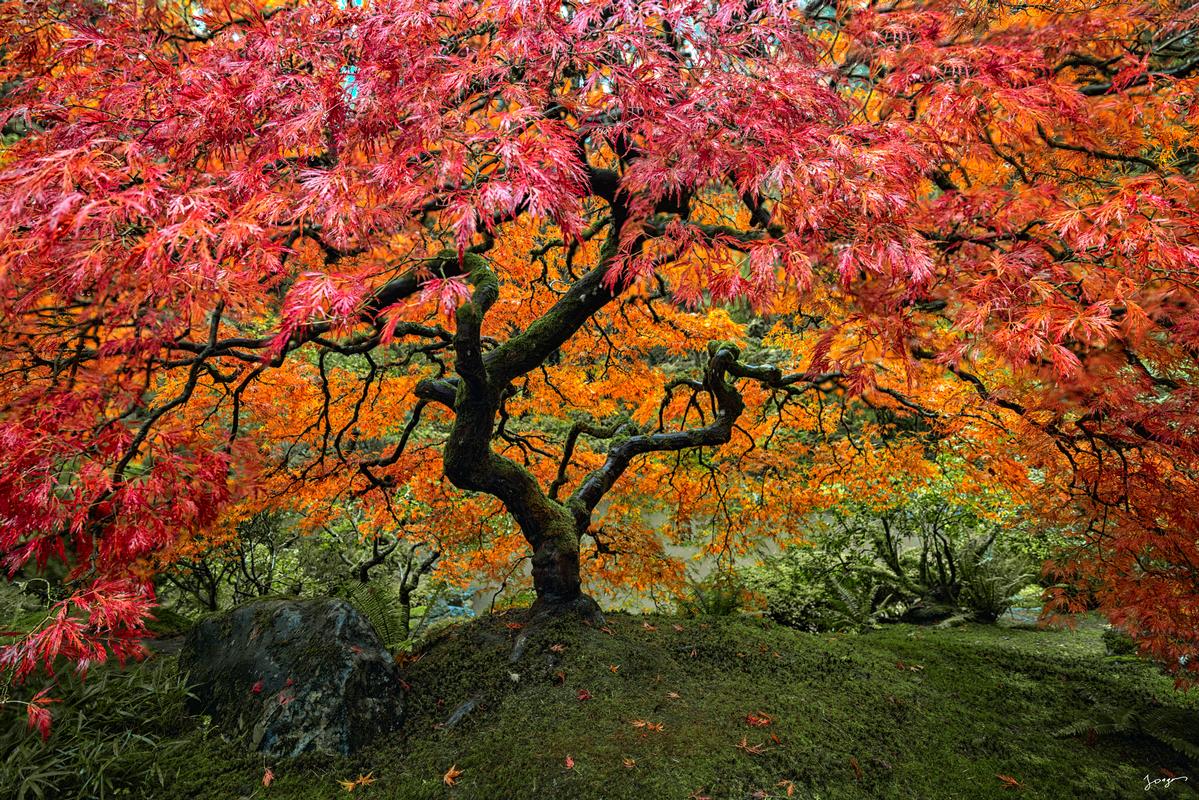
(556, 563)
(556, 574)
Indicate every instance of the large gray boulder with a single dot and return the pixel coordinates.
(293, 676)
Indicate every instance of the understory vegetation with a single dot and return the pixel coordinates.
(658, 706)
(936, 554)
(795, 673)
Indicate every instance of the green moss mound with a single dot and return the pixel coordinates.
(747, 709)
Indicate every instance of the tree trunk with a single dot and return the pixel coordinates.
(551, 529)
(405, 613)
(556, 572)
(556, 569)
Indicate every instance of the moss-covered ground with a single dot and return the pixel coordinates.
(658, 707)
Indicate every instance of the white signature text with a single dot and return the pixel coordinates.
(1163, 783)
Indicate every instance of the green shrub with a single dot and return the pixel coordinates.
(1118, 643)
(109, 730)
(506, 600)
(813, 589)
(945, 542)
(721, 594)
(790, 597)
(168, 622)
(1031, 596)
(990, 581)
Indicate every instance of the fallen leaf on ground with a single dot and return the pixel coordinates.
(350, 785)
(1008, 781)
(404, 659)
(752, 749)
(657, 727)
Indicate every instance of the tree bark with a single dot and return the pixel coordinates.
(556, 574)
(405, 613)
(556, 568)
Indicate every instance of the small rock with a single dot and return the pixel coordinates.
(461, 711)
(928, 613)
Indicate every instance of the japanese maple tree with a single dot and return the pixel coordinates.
(344, 251)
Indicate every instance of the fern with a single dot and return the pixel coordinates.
(990, 581)
(1104, 722)
(380, 607)
(851, 610)
(721, 595)
(1166, 726)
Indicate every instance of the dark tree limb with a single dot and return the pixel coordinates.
(723, 364)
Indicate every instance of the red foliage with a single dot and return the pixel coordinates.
(106, 619)
(190, 204)
(38, 713)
